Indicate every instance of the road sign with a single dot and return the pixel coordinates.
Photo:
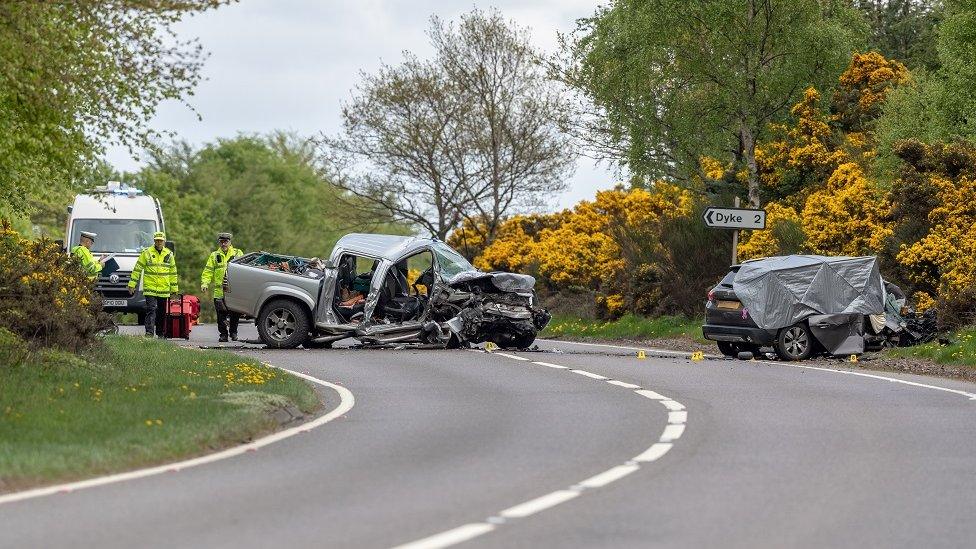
(734, 218)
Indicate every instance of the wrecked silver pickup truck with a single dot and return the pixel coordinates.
(383, 289)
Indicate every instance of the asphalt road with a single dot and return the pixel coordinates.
(771, 456)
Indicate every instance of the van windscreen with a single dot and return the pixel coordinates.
(115, 235)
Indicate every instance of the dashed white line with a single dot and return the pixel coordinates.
(451, 537)
(677, 417)
(608, 476)
(551, 365)
(532, 507)
(346, 402)
(623, 384)
(655, 452)
(589, 374)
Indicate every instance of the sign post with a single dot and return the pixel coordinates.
(735, 218)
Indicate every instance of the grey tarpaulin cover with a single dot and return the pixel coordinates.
(781, 291)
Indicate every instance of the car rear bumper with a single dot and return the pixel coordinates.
(739, 334)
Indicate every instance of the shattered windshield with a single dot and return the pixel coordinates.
(449, 262)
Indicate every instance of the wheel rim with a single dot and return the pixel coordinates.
(281, 324)
(796, 341)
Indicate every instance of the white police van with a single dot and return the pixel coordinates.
(124, 219)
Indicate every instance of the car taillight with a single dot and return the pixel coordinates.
(711, 295)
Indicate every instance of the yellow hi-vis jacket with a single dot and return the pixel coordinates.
(88, 263)
(157, 271)
(213, 271)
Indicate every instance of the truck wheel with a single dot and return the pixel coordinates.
(794, 342)
(727, 348)
(283, 324)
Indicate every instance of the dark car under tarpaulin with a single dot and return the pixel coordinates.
(832, 293)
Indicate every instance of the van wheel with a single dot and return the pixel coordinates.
(283, 324)
(727, 348)
(794, 342)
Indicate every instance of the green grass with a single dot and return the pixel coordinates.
(132, 403)
(961, 352)
(630, 327)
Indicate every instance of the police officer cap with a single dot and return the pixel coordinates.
(224, 236)
(159, 235)
(87, 234)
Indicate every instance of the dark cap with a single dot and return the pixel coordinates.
(224, 236)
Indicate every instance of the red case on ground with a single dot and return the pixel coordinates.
(181, 314)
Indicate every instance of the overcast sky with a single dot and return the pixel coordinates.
(289, 64)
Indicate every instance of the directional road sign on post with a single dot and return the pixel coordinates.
(734, 218)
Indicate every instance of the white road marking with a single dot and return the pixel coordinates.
(623, 384)
(589, 374)
(656, 451)
(650, 394)
(346, 402)
(451, 537)
(532, 507)
(549, 364)
(678, 417)
(671, 432)
(506, 355)
(608, 476)
(970, 396)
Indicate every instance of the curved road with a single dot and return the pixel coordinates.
(772, 455)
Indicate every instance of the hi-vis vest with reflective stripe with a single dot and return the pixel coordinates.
(215, 268)
(158, 272)
(88, 263)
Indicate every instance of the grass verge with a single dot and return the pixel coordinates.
(132, 403)
(629, 327)
(961, 352)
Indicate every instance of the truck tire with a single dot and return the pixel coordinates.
(727, 348)
(794, 342)
(283, 324)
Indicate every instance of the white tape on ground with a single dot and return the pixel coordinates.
(346, 402)
(677, 416)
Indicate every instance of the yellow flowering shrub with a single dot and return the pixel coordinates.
(863, 87)
(45, 297)
(756, 244)
(849, 216)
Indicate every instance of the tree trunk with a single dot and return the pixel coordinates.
(748, 141)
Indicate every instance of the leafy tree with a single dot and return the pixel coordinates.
(672, 80)
(904, 30)
(75, 76)
(938, 105)
(470, 135)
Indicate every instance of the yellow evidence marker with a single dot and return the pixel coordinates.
(853, 358)
(698, 355)
(490, 346)
(641, 354)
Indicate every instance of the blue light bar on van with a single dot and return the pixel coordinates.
(115, 187)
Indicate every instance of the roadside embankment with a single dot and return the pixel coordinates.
(131, 403)
(676, 333)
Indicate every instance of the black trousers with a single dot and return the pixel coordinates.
(226, 318)
(155, 315)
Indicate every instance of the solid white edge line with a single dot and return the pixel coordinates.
(542, 503)
(608, 476)
(451, 537)
(623, 384)
(655, 452)
(346, 402)
(551, 365)
(970, 396)
(590, 375)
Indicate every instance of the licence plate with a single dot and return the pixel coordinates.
(114, 303)
(729, 305)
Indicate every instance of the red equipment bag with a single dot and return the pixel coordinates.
(182, 312)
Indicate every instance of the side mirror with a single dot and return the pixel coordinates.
(171, 245)
(60, 244)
